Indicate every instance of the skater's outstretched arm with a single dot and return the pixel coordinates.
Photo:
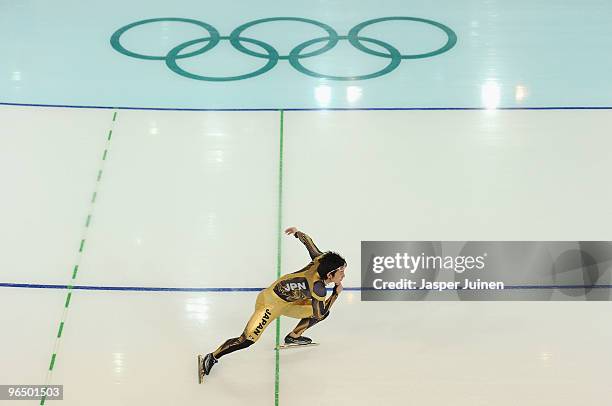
(306, 240)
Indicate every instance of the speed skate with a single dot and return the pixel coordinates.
(200, 369)
(287, 346)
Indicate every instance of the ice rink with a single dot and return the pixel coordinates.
(141, 214)
(190, 200)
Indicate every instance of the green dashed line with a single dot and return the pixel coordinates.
(68, 299)
(61, 328)
(76, 267)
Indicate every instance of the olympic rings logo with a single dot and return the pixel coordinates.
(295, 56)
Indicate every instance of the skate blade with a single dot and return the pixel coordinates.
(200, 370)
(287, 346)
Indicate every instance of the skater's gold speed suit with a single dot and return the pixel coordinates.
(300, 295)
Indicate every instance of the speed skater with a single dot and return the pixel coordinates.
(300, 295)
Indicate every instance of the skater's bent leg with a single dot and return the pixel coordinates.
(305, 324)
(303, 312)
